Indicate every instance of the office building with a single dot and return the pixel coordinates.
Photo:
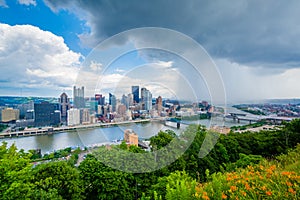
(112, 101)
(24, 107)
(64, 106)
(46, 114)
(84, 116)
(29, 114)
(130, 100)
(124, 100)
(99, 100)
(135, 90)
(78, 97)
(130, 137)
(10, 114)
(146, 99)
(73, 117)
(159, 105)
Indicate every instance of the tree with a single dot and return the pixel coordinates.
(162, 139)
(14, 173)
(57, 178)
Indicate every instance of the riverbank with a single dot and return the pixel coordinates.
(51, 130)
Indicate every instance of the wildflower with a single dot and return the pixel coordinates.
(243, 193)
(263, 188)
(247, 186)
(272, 168)
(224, 196)
(289, 183)
(205, 197)
(286, 173)
(269, 193)
(261, 167)
(233, 188)
(291, 190)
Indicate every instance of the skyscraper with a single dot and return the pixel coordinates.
(73, 117)
(46, 114)
(159, 105)
(146, 98)
(64, 106)
(136, 93)
(130, 100)
(100, 100)
(112, 101)
(78, 97)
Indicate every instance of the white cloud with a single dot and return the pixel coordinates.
(27, 2)
(33, 58)
(95, 66)
(3, 4)
(165, 64)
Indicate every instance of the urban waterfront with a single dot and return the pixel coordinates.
(90, 137)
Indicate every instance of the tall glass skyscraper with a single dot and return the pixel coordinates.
(136, 93)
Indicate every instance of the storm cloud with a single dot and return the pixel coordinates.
(249, 32)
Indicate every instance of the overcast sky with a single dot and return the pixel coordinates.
(254, 44)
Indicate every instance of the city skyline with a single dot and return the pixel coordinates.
(44, 47)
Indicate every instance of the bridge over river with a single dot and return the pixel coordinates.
(257, 118)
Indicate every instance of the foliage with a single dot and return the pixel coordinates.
(162, 139)
(229, 170)
(267, 180)
(3, 127)
(57, 177)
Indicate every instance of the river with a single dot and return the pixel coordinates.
(89, 137)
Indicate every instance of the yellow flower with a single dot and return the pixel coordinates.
(261, 167)
(243, 193)
(263, 188)
(247, 186)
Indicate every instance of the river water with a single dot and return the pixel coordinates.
(89, 137)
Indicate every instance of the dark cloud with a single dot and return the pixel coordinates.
(252, 32)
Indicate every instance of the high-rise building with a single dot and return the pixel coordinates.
(100, 100)
(73, 117)
(130, 100)
(78, 97)
(24, 107)
(113, 101)
(159, 105)
(84, 116)
(46, 114)
(29, 114)
(64, 106)
(146, 99)
(10, 114)
(135, 90)
(124, 100)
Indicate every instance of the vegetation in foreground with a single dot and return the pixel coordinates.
(240, 166)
